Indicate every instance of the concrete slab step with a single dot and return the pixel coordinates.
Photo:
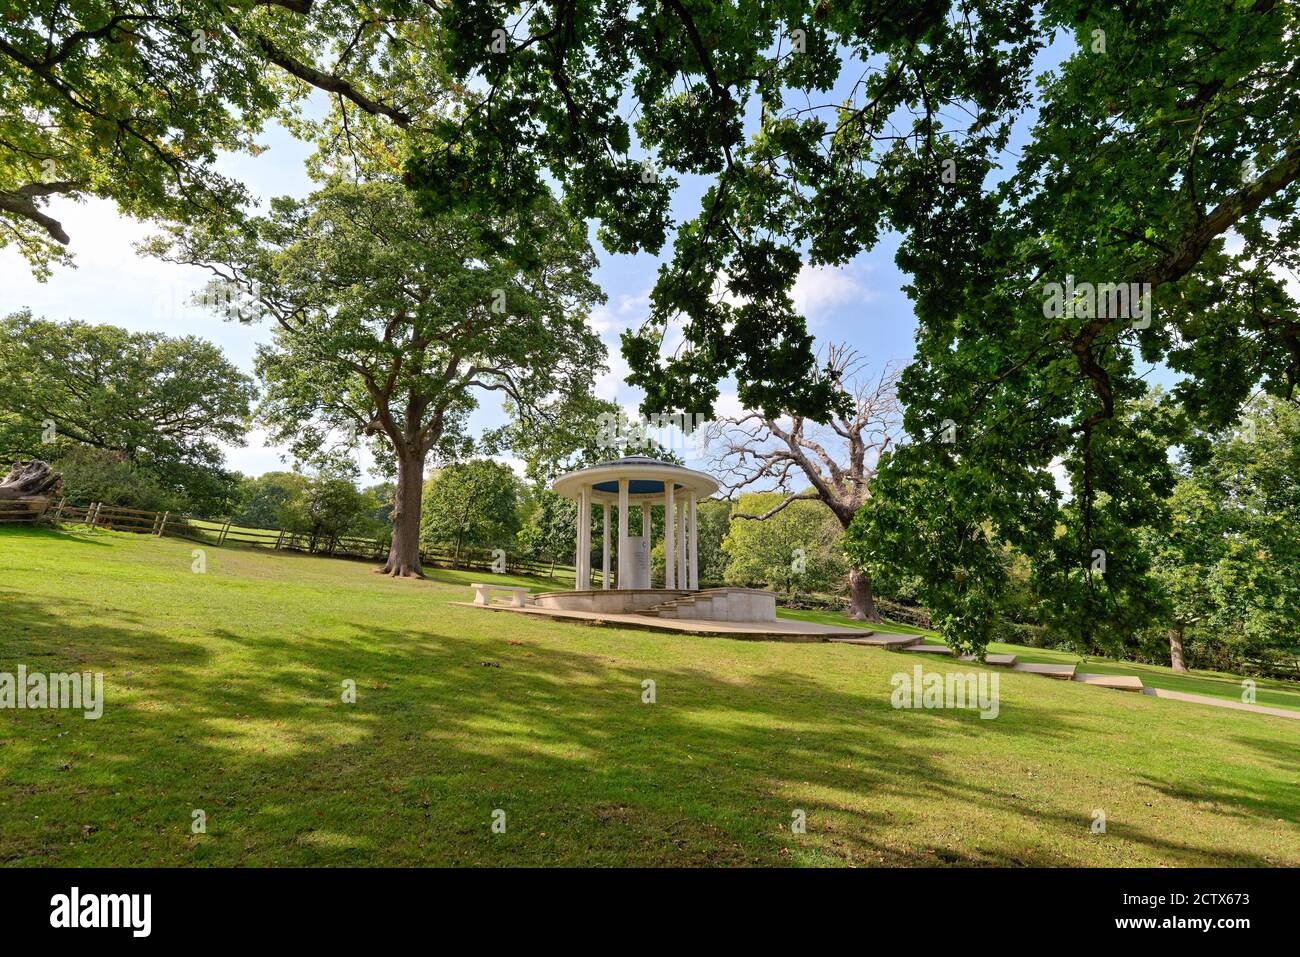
(877, 639)
(1063, 672)
(1004, 661)
(930, 649)
(1118, 682)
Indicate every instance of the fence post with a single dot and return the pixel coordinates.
(59, 511)
(162, 525)
(279, 540)
(94, 514)
(221, 540)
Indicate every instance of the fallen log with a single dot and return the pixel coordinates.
(30, 480)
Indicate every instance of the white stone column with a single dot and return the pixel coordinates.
(670, 537)
(683, 579)
(693, 563)
(624, 580)
(582, 575)
(604, 547)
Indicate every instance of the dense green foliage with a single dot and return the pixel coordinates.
(797, 549)
(714, 520)
(1229, 561)
(472, 504)
(548, 527)
(98, 475)
(1163, 162)
(159, 403)
(133, 100)
(267, 500)
(324, 506)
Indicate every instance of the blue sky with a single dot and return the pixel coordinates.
(861, 303)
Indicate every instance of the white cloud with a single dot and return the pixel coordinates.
(817, 292)
(621, 313)
(728, 406)
(609, 384)
(518, 466)
(820, 290)
(1062, 479)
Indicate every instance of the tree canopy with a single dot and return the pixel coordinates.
(135, 101)
(798, 548)
(163, 403)
(472, 504)
(1228, 560)
(390, 326)
(742, 94)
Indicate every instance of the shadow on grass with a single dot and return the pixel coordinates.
(560, 739)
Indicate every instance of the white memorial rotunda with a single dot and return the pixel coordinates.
(637, 485)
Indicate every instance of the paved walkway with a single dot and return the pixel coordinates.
(1222, 703)
(783, 629)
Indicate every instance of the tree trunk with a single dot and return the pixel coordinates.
(1175, 636)
(404, 555)
(862, 602)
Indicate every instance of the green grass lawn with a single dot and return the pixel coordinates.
(223, 694)
(1215, 684)
(835, 618)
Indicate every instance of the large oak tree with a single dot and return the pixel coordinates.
(1167, 130)
(392, 326)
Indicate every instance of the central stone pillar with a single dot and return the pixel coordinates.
(683, 578)
(670, 537)
(604, 547)
(624, 576)
(694, 562)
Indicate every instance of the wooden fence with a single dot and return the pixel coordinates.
(99, 515)
(24, 510)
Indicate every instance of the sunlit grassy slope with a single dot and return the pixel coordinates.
(1216, 684)
(224, 695)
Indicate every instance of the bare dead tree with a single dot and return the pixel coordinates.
(837, 460)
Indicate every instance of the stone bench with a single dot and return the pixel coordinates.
(483, 594)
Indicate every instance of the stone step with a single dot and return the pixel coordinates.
(1005, 661)
(1118, 682)
(1063, 672)
(930, 649)
(854, 641)
(876, 639)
